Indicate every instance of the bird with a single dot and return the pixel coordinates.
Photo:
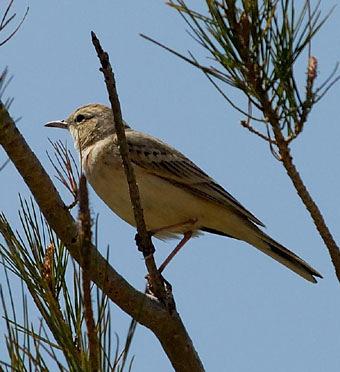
(178, 198)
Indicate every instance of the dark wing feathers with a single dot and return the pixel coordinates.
(168, 163)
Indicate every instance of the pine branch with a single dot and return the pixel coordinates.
(255, 48)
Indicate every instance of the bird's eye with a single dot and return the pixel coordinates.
(79, 118)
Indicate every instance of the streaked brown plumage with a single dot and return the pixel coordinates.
(177, 196)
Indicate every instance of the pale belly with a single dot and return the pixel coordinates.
(168, 209)
(164, 205)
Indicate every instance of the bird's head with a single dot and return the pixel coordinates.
(88, 124)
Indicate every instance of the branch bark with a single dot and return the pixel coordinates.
(85, 235)
(287, 161)
(148, 311)
(143, 238)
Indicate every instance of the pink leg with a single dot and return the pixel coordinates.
(181, 244)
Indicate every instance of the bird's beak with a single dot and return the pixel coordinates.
(57, 124)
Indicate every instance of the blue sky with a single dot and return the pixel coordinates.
(243, 311)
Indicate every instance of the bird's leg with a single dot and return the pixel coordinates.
(186, 237)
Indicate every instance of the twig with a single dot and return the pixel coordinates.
(66, 168)
(300, 187)
(85, 251)
(245, 124)
(5, 22)
(143, 240)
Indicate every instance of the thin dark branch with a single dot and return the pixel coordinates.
(4, 23)
(311, 206)
(143, 237)
(247, 125)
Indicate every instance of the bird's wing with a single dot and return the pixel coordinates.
(158, 158)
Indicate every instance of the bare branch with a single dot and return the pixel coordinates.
(5, 21)
(300, 187)
(247, 125)
(143, 238)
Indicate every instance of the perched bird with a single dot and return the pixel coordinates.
(177, 197)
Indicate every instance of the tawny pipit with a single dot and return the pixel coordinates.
(177, 197)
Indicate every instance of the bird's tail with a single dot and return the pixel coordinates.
(283, 255)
